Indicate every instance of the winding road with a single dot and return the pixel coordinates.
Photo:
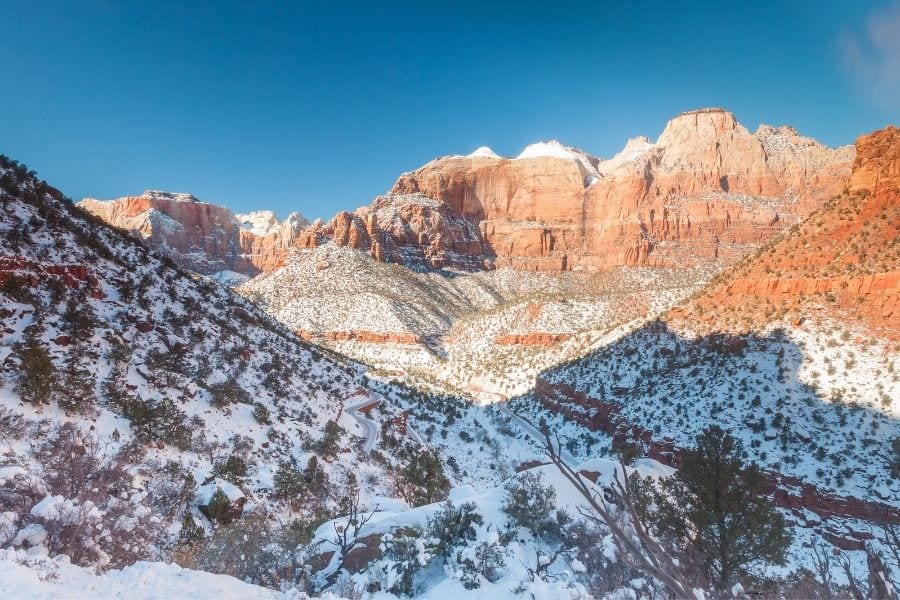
(370, 427)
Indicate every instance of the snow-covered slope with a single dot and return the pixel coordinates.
(159, 380)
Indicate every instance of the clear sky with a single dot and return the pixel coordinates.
(319, 106)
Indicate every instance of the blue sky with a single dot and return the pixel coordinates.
(318, 107)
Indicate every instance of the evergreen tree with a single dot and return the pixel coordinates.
(113, 387)
(315, 481)
(422, 480)
(78, 320)
(328, 445)
(233, 469)
(288, 481)
(219, 508)
(37, 379)
(158, 420)
(717, 510)
(451, 525)
(191, 533)
(77, 391)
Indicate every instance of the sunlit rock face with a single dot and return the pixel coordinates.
(203, 237)
(707, 190)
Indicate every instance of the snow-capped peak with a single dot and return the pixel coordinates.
(260, 222)
(264, 222)
(484, 152)
(555, 149)
(552, 149)
(634, 149)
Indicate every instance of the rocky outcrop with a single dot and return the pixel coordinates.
(405, 228)
(707, 189)
(877, 166)
(532, 339)
(787, 492)
(199, 236)
(20, 273)
(371, 337)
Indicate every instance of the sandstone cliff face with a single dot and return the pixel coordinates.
(202, 237)
(844, 258)
(405, 228)
(707, 189)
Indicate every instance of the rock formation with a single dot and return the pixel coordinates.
(199, 236)
(844, 257)
(706, 189)
(411, 229)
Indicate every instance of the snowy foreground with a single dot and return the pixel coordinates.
(25, 576)
(33, 574)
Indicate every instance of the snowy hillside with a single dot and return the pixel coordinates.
(159, 430)
(120, 369)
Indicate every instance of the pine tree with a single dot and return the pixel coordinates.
(158, 420)
(717, 510)
(288, 481)
(37, 380)
(328, 445)
(219, 508)
(423, 480)
(113, 388)
(233, 469)
(191, 533)
(79, 320)
(77, 391)
(315, 480)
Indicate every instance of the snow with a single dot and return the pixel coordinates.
(208, 490)
(66, 511)
(258, 222)
(27, 576)
(230, 278)
(11, 472)
(634, 149)
(174, 196)
(483, 152)
(32, 535)
(265, 222)
(551, 149)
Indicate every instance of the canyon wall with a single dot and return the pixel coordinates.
(707, 189)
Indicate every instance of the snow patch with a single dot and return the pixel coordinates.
(483, 152)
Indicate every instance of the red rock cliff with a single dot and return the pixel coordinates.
(708, 188)
(844, 257)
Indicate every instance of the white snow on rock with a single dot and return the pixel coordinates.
(555, 149)
(264, 222)
(260, 222)
(31, 535)
(230, 278)
(551, 149)
(175, 196)
(484, 152)
(208, 490)
(8, 473)
(634, 149)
